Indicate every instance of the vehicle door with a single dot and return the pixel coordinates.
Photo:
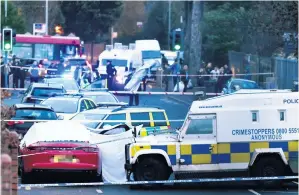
(145, 119)
(82, 105)
(160, 120)
(198, 146)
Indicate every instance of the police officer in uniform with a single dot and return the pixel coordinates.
(111, 72)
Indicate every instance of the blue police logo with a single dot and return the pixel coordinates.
(291, 101)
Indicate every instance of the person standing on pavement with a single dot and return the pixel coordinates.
(78, 74)
(166, 72)
(111, 72)
(34, 72)
(175, 70)
(22, 74)
(15, 71)
(220, 81)
(228, 72)
(185, 77)
(60, 68)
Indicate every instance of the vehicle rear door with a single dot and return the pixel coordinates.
(198, 146)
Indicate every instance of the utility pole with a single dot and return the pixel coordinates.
(169, 23)
(6, 52)
(112, 31)
(47, 16)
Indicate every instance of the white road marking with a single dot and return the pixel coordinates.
(295, 182)
(99, 191)
(254, 192)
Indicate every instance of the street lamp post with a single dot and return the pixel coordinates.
(46, 16)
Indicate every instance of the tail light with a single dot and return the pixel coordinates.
(10, 123)
(89, 149)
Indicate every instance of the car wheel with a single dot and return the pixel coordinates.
(151, 169)
(26, 178)
(269, 167)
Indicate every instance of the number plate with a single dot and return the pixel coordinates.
(62, 158)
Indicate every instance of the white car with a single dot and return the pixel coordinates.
(69, 105)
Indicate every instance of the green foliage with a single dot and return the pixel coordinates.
(220, 32)
(87, 19)
(13, 20)
(250, 27)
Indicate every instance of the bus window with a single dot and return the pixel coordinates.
(44, 51)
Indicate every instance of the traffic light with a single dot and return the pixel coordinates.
(14, 35)
(7, 39)
(58, 30)
(177, 39)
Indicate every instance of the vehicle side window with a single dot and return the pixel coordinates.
(92, 105)
(159, 116)
(115, 117)
(83, 106)
(200, 126)
(140, 116)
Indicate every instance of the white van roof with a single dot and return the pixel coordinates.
(147, 45)
(246, 99)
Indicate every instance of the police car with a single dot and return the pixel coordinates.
(68, 105)
(254, 132)
(152, 119)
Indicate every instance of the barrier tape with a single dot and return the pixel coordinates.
(166, 75)
(137, 92)
(109, 121)
(203, 180)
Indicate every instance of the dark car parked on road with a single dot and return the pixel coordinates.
(29, 112)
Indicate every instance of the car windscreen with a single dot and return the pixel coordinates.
(115, 62)
(245, 84)
(67, 105)
(41, 114)
(68, 84)
(46, 92)
(102, 98)
(88, 116)
(151, 54)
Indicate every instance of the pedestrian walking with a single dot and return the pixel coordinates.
(34, 72)
(111, 73)
(185, 77)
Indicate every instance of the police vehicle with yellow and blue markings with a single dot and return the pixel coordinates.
(252, 132)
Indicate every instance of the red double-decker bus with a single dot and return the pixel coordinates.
(52, 48)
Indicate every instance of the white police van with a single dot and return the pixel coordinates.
(251, 132)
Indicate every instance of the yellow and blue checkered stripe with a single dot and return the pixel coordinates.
(240, 152)
(232, 152)
(169, 149)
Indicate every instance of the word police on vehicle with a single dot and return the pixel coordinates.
(291, 101)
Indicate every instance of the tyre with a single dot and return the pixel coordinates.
(26, 178)
(151, 169)
(269, 167)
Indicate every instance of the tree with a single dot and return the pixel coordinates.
(13, 20)
(192, 50)
(133, 12)
(34, 12)
(87, 19)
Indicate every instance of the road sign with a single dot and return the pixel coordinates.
(39, 29)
